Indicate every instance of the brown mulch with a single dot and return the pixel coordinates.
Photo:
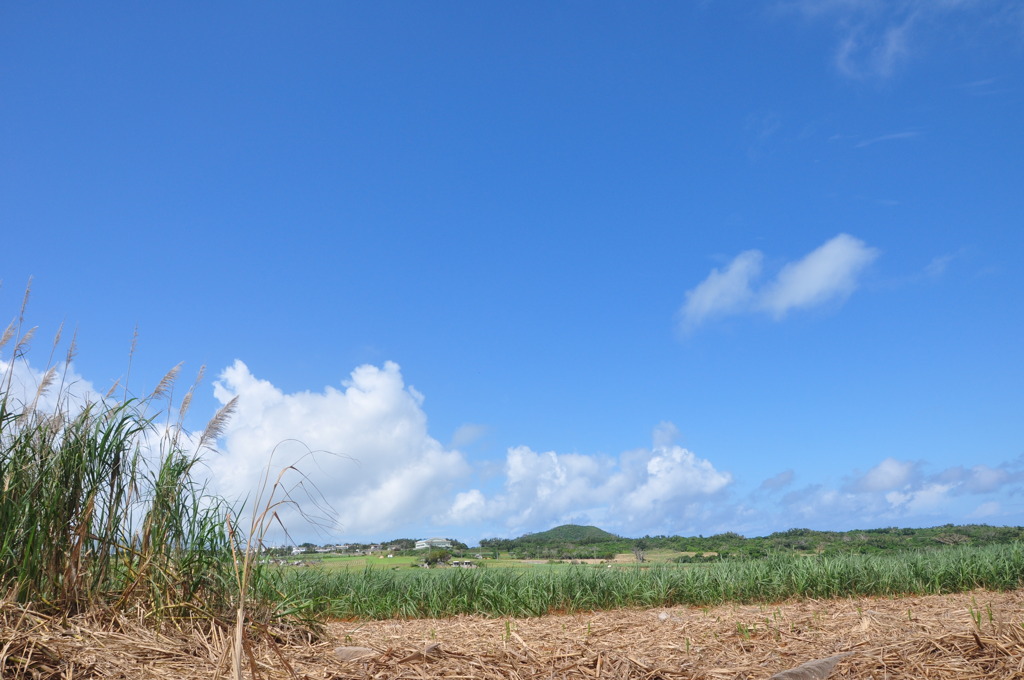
(908, 637)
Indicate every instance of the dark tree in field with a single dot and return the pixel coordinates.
(437, 556)
(640, 549)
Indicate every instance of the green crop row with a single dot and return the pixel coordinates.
(385, 593)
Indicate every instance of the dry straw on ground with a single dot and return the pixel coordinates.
(972, 635)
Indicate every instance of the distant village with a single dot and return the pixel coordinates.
(380, 549)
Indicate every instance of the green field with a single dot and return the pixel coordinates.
(537, 589)
(334, 562)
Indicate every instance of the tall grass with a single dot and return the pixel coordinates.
(99, 503)
(385, 593)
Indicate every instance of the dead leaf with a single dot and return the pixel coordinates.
(819, 669)
(353, 653)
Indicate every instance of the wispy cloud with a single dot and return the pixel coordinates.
(878, 39)
(827, 274)
(723, 292)
(910, 134)
(467, 434)
(986, 86)
(762, 129)
(938, 265)
(986, 510)
(865, 53)
(777, 482)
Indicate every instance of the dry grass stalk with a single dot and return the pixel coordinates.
(186, 401)
(937, 640)
(723, 643)
(7, 335)
(215, 428)
(163, 387)
(269, 500)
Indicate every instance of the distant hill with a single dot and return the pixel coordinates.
(572, 541)
(570, 533)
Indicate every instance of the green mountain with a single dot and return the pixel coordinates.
(570, 533)
(572, 541)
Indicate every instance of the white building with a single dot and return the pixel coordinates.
(433, 543)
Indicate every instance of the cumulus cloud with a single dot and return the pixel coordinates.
(984, 479)
(887, 475)
(830, 273)
(67, 389)
(979, 479)
(923, 500)
(673, 474)
(381, 468)
(899, 492)
(639, 490)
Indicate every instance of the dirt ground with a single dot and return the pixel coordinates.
(972, 635)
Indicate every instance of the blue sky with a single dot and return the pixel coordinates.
(661, 267)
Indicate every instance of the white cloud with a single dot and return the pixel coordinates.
(829, 273)
(979, 479)
(383, 469)
(896, 492)
(392, 477)
(67, 389)
(673, 474)
(887, 475)
(723, 292)
(984, 479)
(640, 490)
(924, 500)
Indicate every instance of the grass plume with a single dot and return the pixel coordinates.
(102, 508)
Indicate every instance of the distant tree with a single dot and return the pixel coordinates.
(497, 543)
(640, 549)
(437, 556)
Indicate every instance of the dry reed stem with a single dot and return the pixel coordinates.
(911, 637)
